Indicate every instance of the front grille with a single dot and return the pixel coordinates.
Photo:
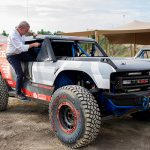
(126, 82)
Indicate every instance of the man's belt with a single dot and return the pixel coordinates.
(10, 54)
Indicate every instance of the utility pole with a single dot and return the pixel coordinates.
(123, 18)
(27, 5)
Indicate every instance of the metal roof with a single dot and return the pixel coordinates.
(59, 37)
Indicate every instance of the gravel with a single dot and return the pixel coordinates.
(25, 126)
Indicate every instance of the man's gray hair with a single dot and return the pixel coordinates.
(23, 24)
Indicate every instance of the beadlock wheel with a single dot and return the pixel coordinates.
(67, 117)
(74, 116)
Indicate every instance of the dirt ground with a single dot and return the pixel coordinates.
(25, 126)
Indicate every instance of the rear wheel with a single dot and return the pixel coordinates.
(74, 116)
(3, 95)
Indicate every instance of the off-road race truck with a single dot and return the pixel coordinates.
(80, 83)
(144, 54)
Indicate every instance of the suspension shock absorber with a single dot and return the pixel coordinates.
(145, 102)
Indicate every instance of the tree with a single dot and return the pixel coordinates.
(58, 33)
(44, 32)
(4, 33)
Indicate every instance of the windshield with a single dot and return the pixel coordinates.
(77, 49)
(87, 49)
(144, 54)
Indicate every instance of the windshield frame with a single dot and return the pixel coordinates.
(85, 52)
(76, 48)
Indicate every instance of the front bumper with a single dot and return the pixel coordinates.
(141, 99)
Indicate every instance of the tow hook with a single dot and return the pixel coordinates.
(146, 102)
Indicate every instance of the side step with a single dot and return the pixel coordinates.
(12, 93)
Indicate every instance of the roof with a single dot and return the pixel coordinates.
(135, 25)
(132, 27)
(59, 37)
(136, 32)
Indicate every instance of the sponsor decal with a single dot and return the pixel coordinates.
(143, 81)
(42, 96)
(2, 54)
(3, 50)
(5, 70)
(35, 95)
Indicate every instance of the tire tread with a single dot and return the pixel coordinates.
(3, 95)
(91, 112)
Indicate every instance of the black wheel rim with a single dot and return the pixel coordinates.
(67, 117)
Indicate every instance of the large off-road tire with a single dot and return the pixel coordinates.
(3, 95)
(142, 116)
(74, 116)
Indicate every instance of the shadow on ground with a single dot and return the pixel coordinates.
(26, 127)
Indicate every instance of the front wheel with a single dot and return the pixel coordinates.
(3, 95)
(74, 116)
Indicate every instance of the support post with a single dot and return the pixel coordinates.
(96, 36)
(134, 44)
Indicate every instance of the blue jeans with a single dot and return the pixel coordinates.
(15, 61)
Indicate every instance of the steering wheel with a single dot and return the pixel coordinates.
(81, 54)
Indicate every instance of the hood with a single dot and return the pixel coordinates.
(120, 64)
(130, 64)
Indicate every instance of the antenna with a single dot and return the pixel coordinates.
(123, 18)
(27, 9)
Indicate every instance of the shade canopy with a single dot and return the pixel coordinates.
(136, 32)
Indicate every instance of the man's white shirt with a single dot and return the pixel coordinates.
(16, 43)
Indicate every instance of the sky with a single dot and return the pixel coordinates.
(72, 15)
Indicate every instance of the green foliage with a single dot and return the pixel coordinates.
(58, 33)
(4, 33)
(121, 50)
(44, 32)
(116, 50)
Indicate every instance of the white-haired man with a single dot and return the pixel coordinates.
(17, 53)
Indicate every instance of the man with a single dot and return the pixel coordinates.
(17, 53)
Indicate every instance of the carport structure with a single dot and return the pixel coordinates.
(136, 32)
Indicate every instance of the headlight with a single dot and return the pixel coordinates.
(126, 82)
(137, 81)
(134, 73)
